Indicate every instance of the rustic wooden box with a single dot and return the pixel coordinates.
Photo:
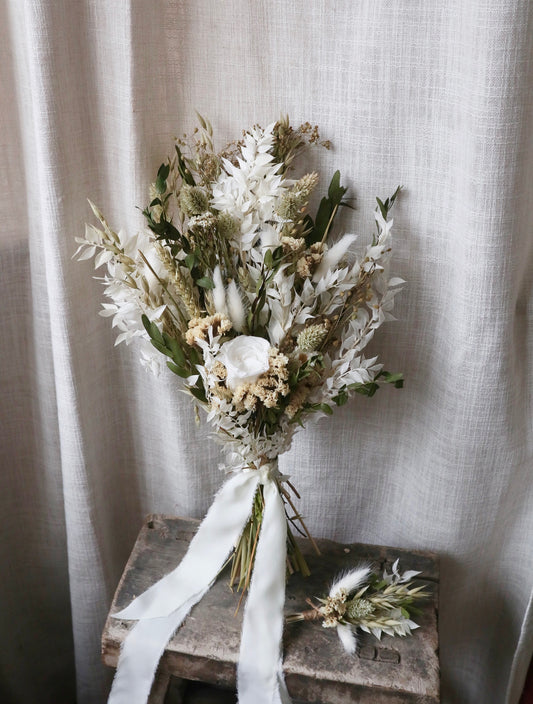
(206, 647)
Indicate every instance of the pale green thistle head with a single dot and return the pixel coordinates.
(227, 226)
(358, 609)
(192, 200)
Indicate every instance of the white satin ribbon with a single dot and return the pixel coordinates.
(259, 673)
(162, 608)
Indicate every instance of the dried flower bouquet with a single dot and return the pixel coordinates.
(263, 318)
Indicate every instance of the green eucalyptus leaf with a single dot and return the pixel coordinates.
(335, 190)
(171, 232)
(146, 323)
(163, 172)
(152, 330)
(160, 184)
(180, 371)
(383, 209)
(190, 261)
(388, 378)
(367, 389)
(195, 356)
(198, 393)
(341, 398)
(205, 282)
(183, 170)
(161, 347)
(386, 206)
(269, 259)
(322, 218)
(176, 351)
(278, 254)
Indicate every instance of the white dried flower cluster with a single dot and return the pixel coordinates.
(251, 192)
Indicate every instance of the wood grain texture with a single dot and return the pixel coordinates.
(206, 647)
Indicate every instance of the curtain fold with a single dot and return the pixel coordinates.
(435, 96)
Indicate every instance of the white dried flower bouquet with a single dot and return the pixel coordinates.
(241, 289)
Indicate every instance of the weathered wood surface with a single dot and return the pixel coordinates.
(206, 647)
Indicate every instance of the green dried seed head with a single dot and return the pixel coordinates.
(289, 206)
(193, 200)
(312, 337)
(295, 199)
(228, 227)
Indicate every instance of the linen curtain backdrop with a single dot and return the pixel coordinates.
(435, 95)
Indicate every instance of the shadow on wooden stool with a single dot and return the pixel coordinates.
(205, 649)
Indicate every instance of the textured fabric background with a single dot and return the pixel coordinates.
(434, 95)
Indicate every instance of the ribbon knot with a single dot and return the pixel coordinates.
(268, 472)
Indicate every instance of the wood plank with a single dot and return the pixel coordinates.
(206, 647)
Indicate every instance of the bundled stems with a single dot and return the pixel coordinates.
(242, 559)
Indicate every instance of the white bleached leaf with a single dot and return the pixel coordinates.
(102, 258)
(155, 313)
(87, 253)
(406, 576)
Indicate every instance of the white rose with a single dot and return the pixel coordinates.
(245, 358)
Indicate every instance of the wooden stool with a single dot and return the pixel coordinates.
(206, 647)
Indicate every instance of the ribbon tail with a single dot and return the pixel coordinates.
(216, 536)
(162, 608)
(282, 687)
(140, 656)
(260, 674)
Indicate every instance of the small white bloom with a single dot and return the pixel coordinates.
(219, 293)
(245, 358)
(237, 313)
(333, 256)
